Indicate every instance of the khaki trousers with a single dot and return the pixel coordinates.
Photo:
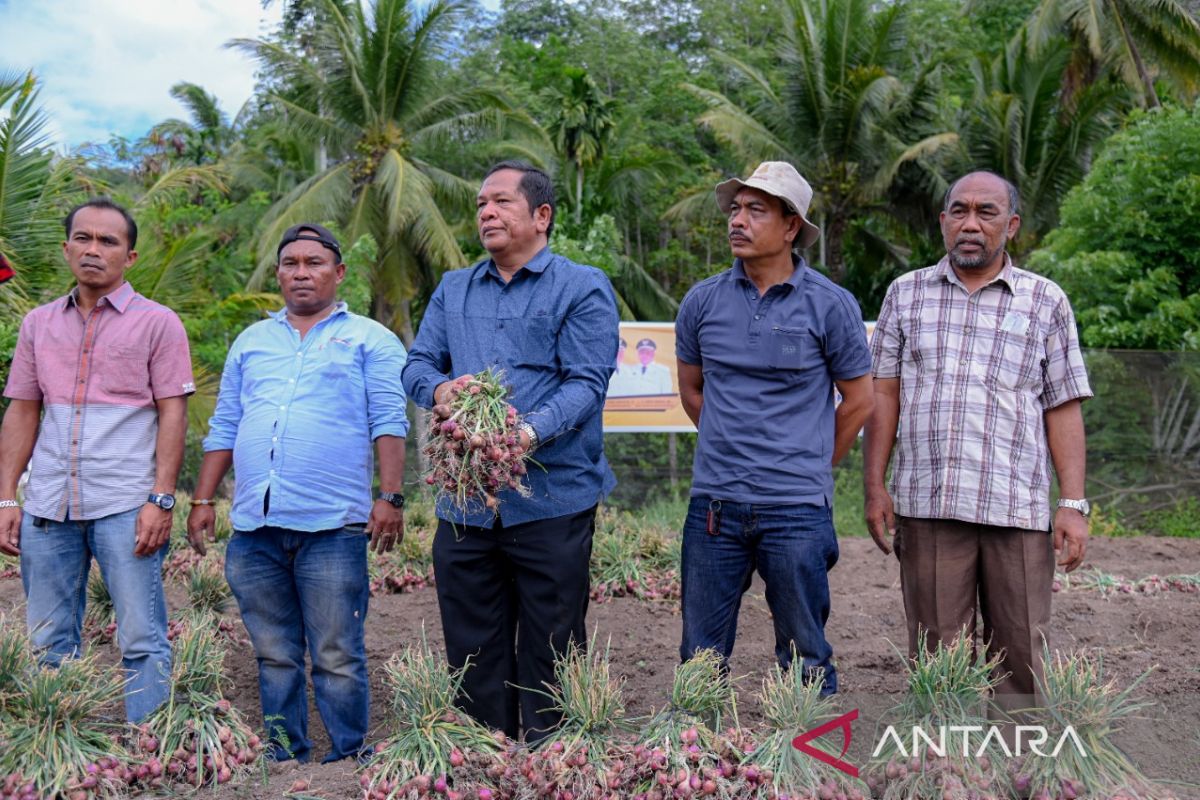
(945, 565)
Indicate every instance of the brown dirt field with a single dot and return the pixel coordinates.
(1135, 633)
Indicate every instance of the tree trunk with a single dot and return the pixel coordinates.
(1136, 57)
(835, 241)
(578, 194)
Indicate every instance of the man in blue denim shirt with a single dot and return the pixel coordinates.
(760, 348)
(551, 326)
(304, 395)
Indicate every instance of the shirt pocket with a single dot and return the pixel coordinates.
(534, 341)
(125, 371)
(342, 363)
(790, 348)
(1016, 363)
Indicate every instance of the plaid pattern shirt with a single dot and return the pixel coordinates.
(977, 372)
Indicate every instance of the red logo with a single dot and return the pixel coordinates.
(801, 742)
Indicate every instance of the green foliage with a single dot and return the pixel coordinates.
(1181, 520)
(1128, 249)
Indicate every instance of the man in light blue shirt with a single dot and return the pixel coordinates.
(304, 395)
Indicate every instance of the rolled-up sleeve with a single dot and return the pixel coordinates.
(223, 425)
(587, 351)
(887, 342)
(22, 375)
(382, 368)
(429, 359)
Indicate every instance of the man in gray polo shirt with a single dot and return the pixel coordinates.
(760, 348)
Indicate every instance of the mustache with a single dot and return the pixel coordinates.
(976, 240)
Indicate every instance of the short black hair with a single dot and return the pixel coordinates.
(1014, 197)
(535, 186)
(104, 202)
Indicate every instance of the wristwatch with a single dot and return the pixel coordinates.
(164, 501)
(528, 430)
(1082, 506)
(9, 504)
(395, 498)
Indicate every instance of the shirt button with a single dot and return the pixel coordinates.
(274, 438)
(299, 355)
(283, 408)
(78, 411)
(291, 380)
(758, 316)
(72, 473)
(82, 381)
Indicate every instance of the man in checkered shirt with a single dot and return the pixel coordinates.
(978, 386)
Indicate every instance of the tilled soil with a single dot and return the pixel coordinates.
(1135, 633)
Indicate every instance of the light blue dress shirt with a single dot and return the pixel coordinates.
(300, 416)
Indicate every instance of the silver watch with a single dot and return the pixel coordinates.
(9, 504)
(528, 430)
(1082, 506)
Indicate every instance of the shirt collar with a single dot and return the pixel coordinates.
(339, 307)
(118, 298)
(536, 264)
(943, 271)
(798, 268)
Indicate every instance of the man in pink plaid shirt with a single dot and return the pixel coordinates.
(978, 386)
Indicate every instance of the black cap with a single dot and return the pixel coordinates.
(647, 343)
(312, 232)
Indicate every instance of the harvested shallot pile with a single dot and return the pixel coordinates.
(474, 446)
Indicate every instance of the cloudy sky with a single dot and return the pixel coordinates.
(106, 66)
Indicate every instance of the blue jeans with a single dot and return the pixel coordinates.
(55, 560)
(299, 590)
(793, 547)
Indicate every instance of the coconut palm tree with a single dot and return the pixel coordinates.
(581, 124)
(35, 190)
(1120, 34)
(1019, 125)
(366, 87)
(834, 107)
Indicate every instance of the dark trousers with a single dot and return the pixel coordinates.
(512, 598)
(945, 565)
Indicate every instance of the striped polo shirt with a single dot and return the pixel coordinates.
(98, 377)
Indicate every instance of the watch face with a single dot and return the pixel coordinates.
(165, 501)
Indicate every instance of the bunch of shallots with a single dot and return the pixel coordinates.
(474, 445)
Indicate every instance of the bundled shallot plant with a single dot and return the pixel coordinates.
(435, 749)
(55, 740)
(1078, 695)
(197, 737)
(948, 685)
(474, 450)
(571, 762)
(792, 704)
(678, 752)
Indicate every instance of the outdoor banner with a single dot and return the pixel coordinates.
(643, 394)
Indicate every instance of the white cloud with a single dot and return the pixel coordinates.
(106, 66)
